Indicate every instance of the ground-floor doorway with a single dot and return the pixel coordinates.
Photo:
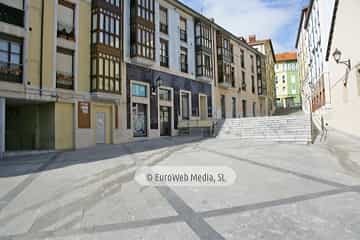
(140, 120)
(100, 127)
(165, 121)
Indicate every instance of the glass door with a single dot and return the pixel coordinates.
(140, 120)
(165, 121)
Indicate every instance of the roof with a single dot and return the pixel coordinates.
(304, 14)
(286, 56)
(264, 41)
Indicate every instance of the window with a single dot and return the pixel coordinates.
(115, 3)
(252, 84)
(142, 29)
(183, 29)
(185, 106)
(64, 68)
(11, 68)
(233, 77)
(164, 94)
(243, 81)
(144, 44)
(12, 12)
(163, 20)
(65, 20)
(138, 90)
(164, 53)
(203, 42)
(145, 9)
(203, 65)
(242, 58)
(283, 79)
(183, 60)
(106, 28)
(106, 73)
(252, 64)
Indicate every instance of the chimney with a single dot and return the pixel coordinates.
(252, 38)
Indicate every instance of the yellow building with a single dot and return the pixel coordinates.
(239, 86)
(60, 86)
(266, 47)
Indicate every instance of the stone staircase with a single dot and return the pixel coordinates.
(287, 129)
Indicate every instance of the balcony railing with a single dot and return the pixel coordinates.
(65, 31)
(64, 80)
(10, 72)
(11, 15)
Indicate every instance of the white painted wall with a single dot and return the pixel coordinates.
(344, 114)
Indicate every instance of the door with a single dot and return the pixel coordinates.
(203, 108)
(100, 127)
(234, 107)
(244, 108)
(140, 120)
(165, 121)
(185, 106)
(223, 109)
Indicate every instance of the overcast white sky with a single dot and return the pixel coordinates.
(275, 19)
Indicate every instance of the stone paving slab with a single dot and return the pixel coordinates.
(253, 184)
(333, 217)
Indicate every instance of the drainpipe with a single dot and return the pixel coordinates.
(41, 46)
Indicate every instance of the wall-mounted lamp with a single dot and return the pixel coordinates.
(158, 83)
(337, 57)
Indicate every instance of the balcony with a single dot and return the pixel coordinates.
(64, 80)
(10, 72)
(11, 15)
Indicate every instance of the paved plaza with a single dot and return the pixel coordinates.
(282, 191)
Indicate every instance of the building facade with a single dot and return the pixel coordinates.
(266, 48)
(330, 85)
(133, 70)
(287, 82)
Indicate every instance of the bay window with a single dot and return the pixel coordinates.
(106, 73)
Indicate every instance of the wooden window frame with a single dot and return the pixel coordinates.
(106, 83)
(104, 34)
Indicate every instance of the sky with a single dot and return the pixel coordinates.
(275, 19)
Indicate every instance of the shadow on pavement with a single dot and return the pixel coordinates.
(18, 166)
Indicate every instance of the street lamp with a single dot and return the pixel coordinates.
(158, 83)
(337, 57)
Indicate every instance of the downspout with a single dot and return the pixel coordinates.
(41, 46)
